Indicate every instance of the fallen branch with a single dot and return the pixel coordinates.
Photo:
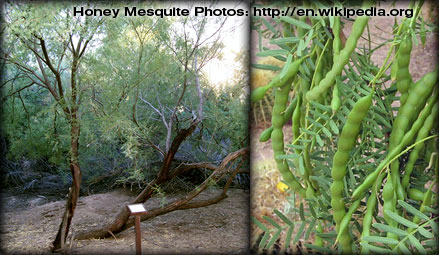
(186, 167)
(179, 204)
(183, 202)
(216, 199)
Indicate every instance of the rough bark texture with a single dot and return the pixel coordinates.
(123, 218)
(146, 193)
(60, 239)
(63, 231)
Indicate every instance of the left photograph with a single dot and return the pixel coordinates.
(124, 128)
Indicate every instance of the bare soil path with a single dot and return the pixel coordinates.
(29, 225)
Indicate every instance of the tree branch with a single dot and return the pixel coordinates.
(216, 199)
(171, 119)
(18, 91)
(60, 97)
(23, 68)
(179, 204)
(197, 83)
(17, 76)
(156, 110)
(186, 167)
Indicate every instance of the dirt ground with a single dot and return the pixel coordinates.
(29, 225)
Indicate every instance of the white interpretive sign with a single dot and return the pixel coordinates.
(136, 208)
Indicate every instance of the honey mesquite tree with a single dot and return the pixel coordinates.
(192, 45)
(135, 84)
(46, 47)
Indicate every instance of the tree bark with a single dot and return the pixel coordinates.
(63, 231)
(52, 58)
(163, 176)
(124, 222)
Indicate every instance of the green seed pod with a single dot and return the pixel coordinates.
(277, 122)
(277, 139)
(318, 240)
(394, 70)
(290, 109)
(277, 135)
(403, 77)
(336, 43)
(336, 101)
(415, 194)
(407, 113)
(278, 80)
(259, 93)
(310, 193)
(388, 199)
(418, 125)
(343, 58)
(345, 144)
(400, 193)
(388, 189)
(413, 106)
(347, 218)
(370, 179)
(296, 120)
(423, 133)
(370, 208)
(265, 135)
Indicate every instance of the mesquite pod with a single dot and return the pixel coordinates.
(335, 101)
(423, 133)
(277, 139)
(403, 77)
(426, 201)
(266, 134)
(388, 201)
(278, 80)
(336, 43)
(342, 59)
(345, 144)
(405, 115)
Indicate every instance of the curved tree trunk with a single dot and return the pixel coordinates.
(180, 204)
(163, 176)
(51, 63)
(63, 231)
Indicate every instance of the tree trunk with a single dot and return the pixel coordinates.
(63, 231)
(180, 204)
(163, 176)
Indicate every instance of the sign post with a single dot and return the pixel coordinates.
(137, 210)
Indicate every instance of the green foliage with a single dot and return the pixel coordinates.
(130, 63)
(311, 153)
(416, 238)
(34, 128)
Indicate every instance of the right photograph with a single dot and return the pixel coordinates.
(344, 127)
